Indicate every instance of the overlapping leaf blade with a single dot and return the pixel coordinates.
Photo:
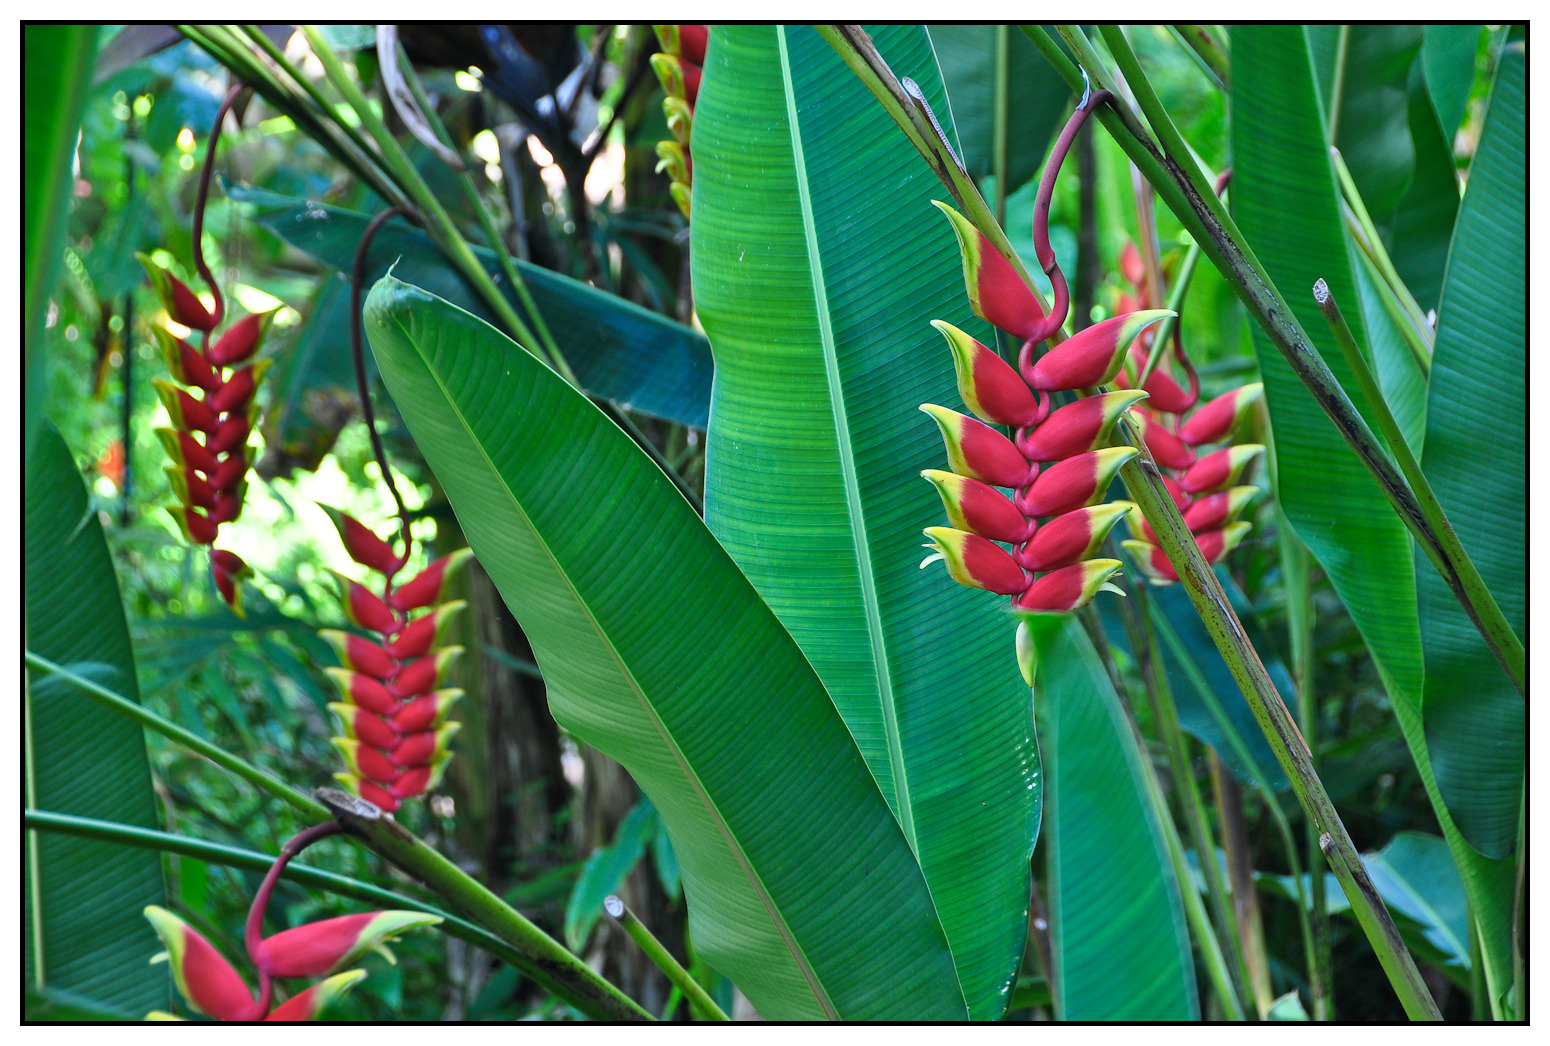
(656, 650)
(1475, 460)
(1120, 948)
(818, 264)
(85, 933)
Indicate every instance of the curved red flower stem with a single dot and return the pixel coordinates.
(254, 932)
(203, 198)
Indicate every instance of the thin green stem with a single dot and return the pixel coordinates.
(553, 967)
(699, 1000)
(1337, 91)
(1175, 305)
(303, 803)
(1432, 530)
(1000, 111)
(1208, 51)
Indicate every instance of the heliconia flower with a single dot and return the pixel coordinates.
(1216, 420)
(238, 390)
(196, 526)
(321, 948)
(1168, 396)
(1130, 265)
(359, 654)
(1069, 588)
(365, 547)
(362, 691)
(680, 118)
(187, 413)
(426, 712)
(1215, 544)
(241, 339)
(228, 568)
(1073, 483)
(1220, 469)
(1152, 561)
(988, 384)
(365, 726)
(979, 508)
(1167, 449)
(424, 632)
(181, 303)
(692, 41)
(210, 984)
(1219, 509)
(232, 432)
(365, 608)
(672, 158)
(1070, 537)
(186, 363)
(1181, 497)
(429, 585)
(1094, 355)
(682, 196)
(189, 488)
(680, 78)
(305, 1006)
(978, 451)
(184, 449)
(1077, 427)
(423, 674)
(997, 293)
(975, 561)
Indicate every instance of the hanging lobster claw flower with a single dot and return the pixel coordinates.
(988, 384)
(1220, 469)
(426, 712)
(366, 727)
(360, 655)
(978, 451)
(182, 304)
(186, 363)
(979, 508)
(196, 526)
(997, 293)
(1077, 427)
(363, 545)
(362, 691)
(323, 947)
(209, 983)
(187, 413)
(672, 158)
(237, 393)
(185, 450)
(424, 632)
(365, 608)
(423, 746)
(1070, 537)
(686, 41)
(680, 78)
(1218, 419)
(1167, 449)
(1069, 588)
(1073, 483)
(1215, 544)
(365, 761)
(429, 585)
(975, 561)
(241, 339)
(305, 1006)
(189, 489)
(1152, 561)
(423, 674)
(680, 118)
(228, 569)
(1219, 509)
(1094, 355)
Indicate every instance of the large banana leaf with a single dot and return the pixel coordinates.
(1423, 222)
(1117, 935)
(85, 934)
(818, 264)
(656, 650)
(1475, 447)
(1448, 55)
(619, 350)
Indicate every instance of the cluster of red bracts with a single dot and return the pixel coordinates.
(392, 713)
(678, 67)
(213, 987)
(1203, 484)
(212, 416)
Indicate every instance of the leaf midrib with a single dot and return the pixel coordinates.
(854, 509)
(797, 955)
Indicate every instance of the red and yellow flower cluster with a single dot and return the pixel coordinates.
(678, 67)
(212, 415)
(1204, 486)
(1058, 463)
(392, 713)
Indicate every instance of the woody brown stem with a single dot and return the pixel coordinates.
(202, 198)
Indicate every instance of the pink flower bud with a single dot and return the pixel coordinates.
(241, 340)
(363, 545)
(424, 632)
(1152, 562)
(978, 451)
(184, 449)
(1215, 544)
(975, 561)
(189, 489)
(1219, 509)
(1077, 427)
(186, 363)
(1069, 588)
(692, 41)
(236, 393)
(1167, 449)
(1071, 537)
(361, 655)
(322, 947)
(182, 304)
(305, 1006)
(427, 711)
(1092, 356)
(1220, 469)
(209, 983)
(1074, 483)
(988, 384)
(230, 470)
(365, 608)
(187, 413)
(1130, 265)
(362, 691)
(979, 508)
(996, 292)
(366, 727)
(429, 585)
(196, 526)
(1181, 497)
(368, 762)
(231, 434)
(423, 674)
(1216, 420)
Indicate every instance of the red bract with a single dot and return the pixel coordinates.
(679, 69)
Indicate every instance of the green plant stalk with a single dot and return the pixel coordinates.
(1480, 1008)
(1206, 218)
(303, 803)
(1520, 914)
(1447, 554)
(1337, 90)
(553, 967)
(1208, 51)
(438, 223)
(1175, 304)
(1213, 228)
(1228, 794)
(1418, 344)
(1295, 568)
(236, 857)
(699, 999)
(1372, 246)
(1002, 103)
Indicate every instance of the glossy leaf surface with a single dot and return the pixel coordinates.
(619, 350)
(819, 263)
(1117, 934)
(85, 933)
(801, 887)
(1475, 460)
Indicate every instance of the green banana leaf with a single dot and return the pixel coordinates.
(1117, 934)
(85, 935)
(1448, 55)
(1423, 222)
(605, 871)
(618, 350)
(1475, 460)
(1036, 102)
(56, 76)
(818, 264)
(657, 651)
